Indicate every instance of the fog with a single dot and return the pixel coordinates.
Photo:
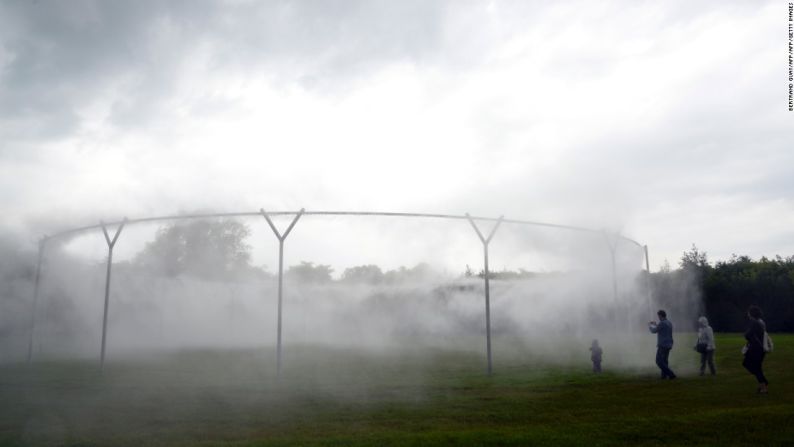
(548, 315)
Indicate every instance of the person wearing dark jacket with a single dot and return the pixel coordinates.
(754, 350)
(595, 355)
(664, 343)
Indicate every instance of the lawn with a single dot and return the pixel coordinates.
(421, 397)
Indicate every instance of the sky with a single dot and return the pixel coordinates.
(665, 121)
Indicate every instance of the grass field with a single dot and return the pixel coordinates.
(422, 397)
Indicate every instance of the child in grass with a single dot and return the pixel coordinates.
(595, 356)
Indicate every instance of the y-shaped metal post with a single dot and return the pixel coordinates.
(487, 274)
(36, 282)
(111, 244)
(648, 279)
(612, 245)
(281, 238)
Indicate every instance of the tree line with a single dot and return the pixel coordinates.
(217, 250)
(722, 291)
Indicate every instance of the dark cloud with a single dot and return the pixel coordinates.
(61, 56)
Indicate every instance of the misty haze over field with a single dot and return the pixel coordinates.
(193, 285)
(663, 122)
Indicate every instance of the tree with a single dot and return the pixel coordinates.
(418, 273)
(210, 249)
(363, 274)
(694, 259)
(308, 273)
(695, 269)
(725, 290)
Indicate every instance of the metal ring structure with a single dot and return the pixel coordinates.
(120, 224)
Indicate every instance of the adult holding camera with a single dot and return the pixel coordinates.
(705, 346)
(664, 343)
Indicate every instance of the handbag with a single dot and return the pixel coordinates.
(701, 348)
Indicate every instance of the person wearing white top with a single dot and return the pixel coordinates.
(706, 339)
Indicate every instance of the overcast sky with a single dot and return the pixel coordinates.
(666, 120)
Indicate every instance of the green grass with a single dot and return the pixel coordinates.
(423, 397)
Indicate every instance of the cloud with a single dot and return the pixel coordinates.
(60, 59)
(617, 115)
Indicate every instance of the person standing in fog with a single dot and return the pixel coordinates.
(754, 351)
(664, 343)
(595, 356)
(705, 346)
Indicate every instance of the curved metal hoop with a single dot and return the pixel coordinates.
(331, 213)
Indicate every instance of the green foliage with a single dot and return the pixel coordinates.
(209, 249)
(308, 273)
(694, 259)
(726, 289)
(735, 284)
(419, 272)
(508, 275)
(504, 274)
(363, 274)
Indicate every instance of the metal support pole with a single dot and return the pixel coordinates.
(280, 304)
(612, 245)
(487, 274)
(111, 243)
(612, 241)
(281, 238)
(648, 279)
(36, 282)
(614, 278)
